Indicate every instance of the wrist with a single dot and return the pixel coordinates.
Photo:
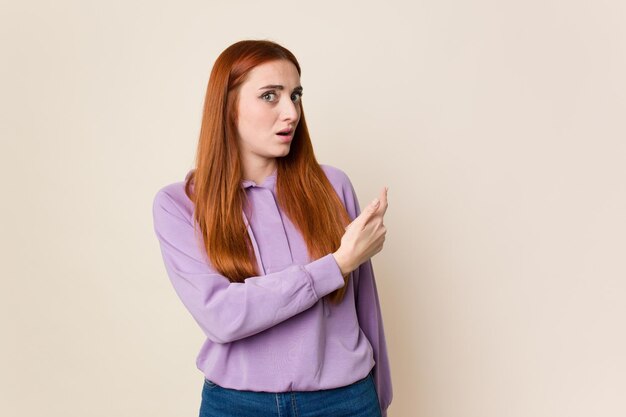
(342, 262)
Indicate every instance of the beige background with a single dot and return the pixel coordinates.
(498, 126)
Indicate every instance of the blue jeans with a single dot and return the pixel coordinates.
(358, 399)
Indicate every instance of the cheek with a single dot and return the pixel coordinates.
(246, 118)
(256, 117)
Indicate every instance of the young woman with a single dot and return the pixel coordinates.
(270, 253)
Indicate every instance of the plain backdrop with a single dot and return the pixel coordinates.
(498, 126)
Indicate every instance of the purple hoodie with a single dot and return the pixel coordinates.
(274, 332)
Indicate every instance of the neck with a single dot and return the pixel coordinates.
(259, 172)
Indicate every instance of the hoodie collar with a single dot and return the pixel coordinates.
(268, 182)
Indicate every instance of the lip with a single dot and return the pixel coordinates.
(285, 138)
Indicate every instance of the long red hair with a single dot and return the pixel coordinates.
(303, 191)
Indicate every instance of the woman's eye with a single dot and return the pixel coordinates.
(268, 94)
(298, 95)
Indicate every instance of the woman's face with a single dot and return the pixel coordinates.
(269, 102)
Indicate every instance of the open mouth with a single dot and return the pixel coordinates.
(288, 131)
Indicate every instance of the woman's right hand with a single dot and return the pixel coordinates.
(364, 237)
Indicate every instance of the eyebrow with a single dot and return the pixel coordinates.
(280, 87)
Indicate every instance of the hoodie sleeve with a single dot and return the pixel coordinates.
(230, 311)
(369, 313)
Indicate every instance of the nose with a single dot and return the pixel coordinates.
(290, 111)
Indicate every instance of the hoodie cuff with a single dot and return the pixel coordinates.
(325, 275)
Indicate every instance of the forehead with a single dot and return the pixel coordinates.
(281, 72)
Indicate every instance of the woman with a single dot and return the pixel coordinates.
(269, 252)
